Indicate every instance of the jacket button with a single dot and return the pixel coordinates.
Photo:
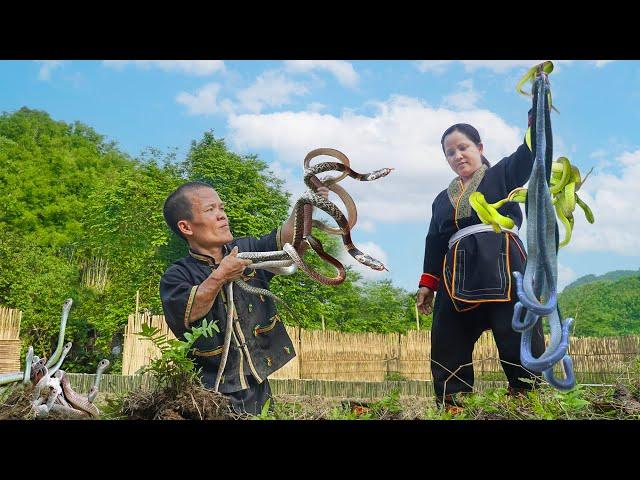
(268, 360)
(288, 350)
(250, 308)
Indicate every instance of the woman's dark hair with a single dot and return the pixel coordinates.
(469, 131)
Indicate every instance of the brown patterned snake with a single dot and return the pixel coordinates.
(287, 260)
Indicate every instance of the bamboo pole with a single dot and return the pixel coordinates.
(137, 304)
(10, 319)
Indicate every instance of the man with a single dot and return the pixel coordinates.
(192, 289)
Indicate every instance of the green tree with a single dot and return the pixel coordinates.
(47, 171)
(604, 308)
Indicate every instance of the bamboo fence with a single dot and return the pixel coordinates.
(138, 351)
(122, 384)
(10, 339)
(375, 357)
(110, 383)
(331, 355)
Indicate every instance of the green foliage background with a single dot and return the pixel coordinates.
(614, 275)
(70, 201)
(604, 308)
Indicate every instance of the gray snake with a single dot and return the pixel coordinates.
(52, 392)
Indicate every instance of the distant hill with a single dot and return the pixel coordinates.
(604, 307)
(609, 276)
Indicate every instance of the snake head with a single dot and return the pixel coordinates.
(38, 366)
(383, 172)
(103, 365)
(371, 262)
(67, 305)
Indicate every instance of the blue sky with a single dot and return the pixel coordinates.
(379, 113)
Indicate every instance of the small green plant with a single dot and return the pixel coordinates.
(265, 413)
(175, 369)
(345, 413)
(395, 377)
(439, 413)
(389, 404)
(491, 401)
(111, 407)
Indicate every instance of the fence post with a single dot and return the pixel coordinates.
(399, 353)
(299, 340)
(417, 318)
(137, 304)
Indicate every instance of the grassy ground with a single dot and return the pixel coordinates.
(618, 401)
(621, 400)
(544, 403)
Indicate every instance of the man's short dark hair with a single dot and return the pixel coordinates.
(177, 206)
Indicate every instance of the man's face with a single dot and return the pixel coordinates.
(209, 226)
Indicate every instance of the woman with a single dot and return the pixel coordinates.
(471, 267)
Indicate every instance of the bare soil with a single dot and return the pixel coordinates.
(194, 403)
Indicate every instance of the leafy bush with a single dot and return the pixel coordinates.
(174, 368)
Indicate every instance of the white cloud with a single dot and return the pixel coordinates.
(498, 66)
(316, 106)
(373, 250)
(600, 153)
(189, 67)
(614, 201)
(366, 226)
(47, 67)
(465, 99)
(435, 66)
(602, 63)
(566, 275)
(271, 89)
(403, 133)
(203, 102)
(343, 71)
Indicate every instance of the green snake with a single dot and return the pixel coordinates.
(565, 183)
(545, 67)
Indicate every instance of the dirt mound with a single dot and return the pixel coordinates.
(193, 403)
(15, 402)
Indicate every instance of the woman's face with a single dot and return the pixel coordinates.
(464, 156)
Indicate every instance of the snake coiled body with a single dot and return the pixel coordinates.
(76, 400)
(52, 391)
(304, 207)
(540, 277)
(287, 260)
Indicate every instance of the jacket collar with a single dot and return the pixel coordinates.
(208, 259)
